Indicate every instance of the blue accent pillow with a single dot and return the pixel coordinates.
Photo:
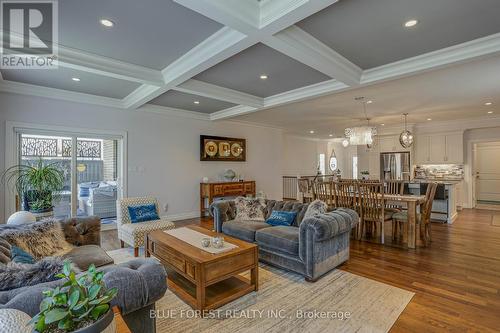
(281, 218)
(143, 213)
(20, 256)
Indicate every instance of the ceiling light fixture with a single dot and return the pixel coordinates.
(490, 112)
(107, 23)
(488, 103)
(382, 124)
(429, 119)
(406, 137)
(76, 79)
(361, 135)
(345, 143)
(330, 135)
(369, 102)
(312, 132)
(263, 77)
(196, 102)
(411, 23)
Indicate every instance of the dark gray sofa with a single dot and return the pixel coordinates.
(140, 282)
(311, 247)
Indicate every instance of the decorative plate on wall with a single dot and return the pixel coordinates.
(218, 148)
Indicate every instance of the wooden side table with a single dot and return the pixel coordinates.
(211, 191)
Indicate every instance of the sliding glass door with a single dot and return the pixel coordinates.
(91, 166)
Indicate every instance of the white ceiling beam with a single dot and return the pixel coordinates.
(472, 50)
(292, 96)
(216, 92)
(41, 91)
(301, 46)
(100, 65)
(221, 45)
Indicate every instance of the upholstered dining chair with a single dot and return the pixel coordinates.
(134, 234)
(400, 220)
(374, 214)
(304, 187)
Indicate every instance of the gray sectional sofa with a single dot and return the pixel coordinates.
(140, 282)
(311, 246)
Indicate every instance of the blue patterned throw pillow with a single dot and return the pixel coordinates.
(20, 256)
(143, 213)
(281, 218)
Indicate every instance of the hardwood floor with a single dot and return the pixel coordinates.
(456, 280)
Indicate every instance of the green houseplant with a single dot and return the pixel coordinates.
(81, 304)
(35, 184)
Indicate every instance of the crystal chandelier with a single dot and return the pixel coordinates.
(361, 135)
(406, 137)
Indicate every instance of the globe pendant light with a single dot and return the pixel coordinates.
(406, 137)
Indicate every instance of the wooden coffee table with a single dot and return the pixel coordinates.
(204, 280)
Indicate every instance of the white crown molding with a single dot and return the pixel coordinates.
(141, 96)
(216, 92)
(467, 51)
(53, 93)
(272, 10)
(232, 112)
(301, 46)
(167, 111)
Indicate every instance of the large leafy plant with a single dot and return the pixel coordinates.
(36, 183)
(78, 303)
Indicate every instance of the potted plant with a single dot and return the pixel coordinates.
(36, 184)
(81, 304)
(365, 175)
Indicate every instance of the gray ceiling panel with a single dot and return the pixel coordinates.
(61, 78)
(371, 33)
(242, 71)
(180, 100)
(151, 33)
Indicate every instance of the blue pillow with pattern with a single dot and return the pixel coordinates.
(281, 218)
(143, 213)
(20, 256)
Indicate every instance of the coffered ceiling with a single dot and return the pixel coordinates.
(173, 53)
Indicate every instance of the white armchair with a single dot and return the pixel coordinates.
(135, 233)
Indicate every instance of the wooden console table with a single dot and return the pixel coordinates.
(225, 189)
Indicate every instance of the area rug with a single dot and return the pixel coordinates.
(338, 302)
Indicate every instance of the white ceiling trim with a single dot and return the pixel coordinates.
(220, 93)
(486, 46)
(163, 110)
(34, 90)
(296, 95)
(301, 46)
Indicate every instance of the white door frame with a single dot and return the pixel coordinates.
(471, 186)
(12, 158)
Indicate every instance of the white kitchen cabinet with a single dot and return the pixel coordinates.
(390, 143)
(446, 148)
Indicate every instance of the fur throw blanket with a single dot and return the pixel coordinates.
(14, 275)
(40, 239)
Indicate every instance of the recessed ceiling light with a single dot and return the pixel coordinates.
(196, 102)
(488, 103)
(330, 135)
(490, 112)
(411, 23)
(429, 119)
(263, 77)
(107, 23)
(369, 102)
(382, 124)
(76, 79)
(312, 132)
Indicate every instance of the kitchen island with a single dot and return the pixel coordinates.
(447, 200)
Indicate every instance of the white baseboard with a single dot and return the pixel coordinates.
(183, 216)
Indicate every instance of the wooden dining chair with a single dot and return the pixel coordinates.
(373, 210)
(304, 187)
(394, 186)
(400, 220)
(325, 192)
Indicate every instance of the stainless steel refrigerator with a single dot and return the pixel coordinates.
(395, 166)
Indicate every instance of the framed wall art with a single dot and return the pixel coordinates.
(219, 148)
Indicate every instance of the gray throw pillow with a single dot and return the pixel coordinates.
(248, 209)
(317, 207)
